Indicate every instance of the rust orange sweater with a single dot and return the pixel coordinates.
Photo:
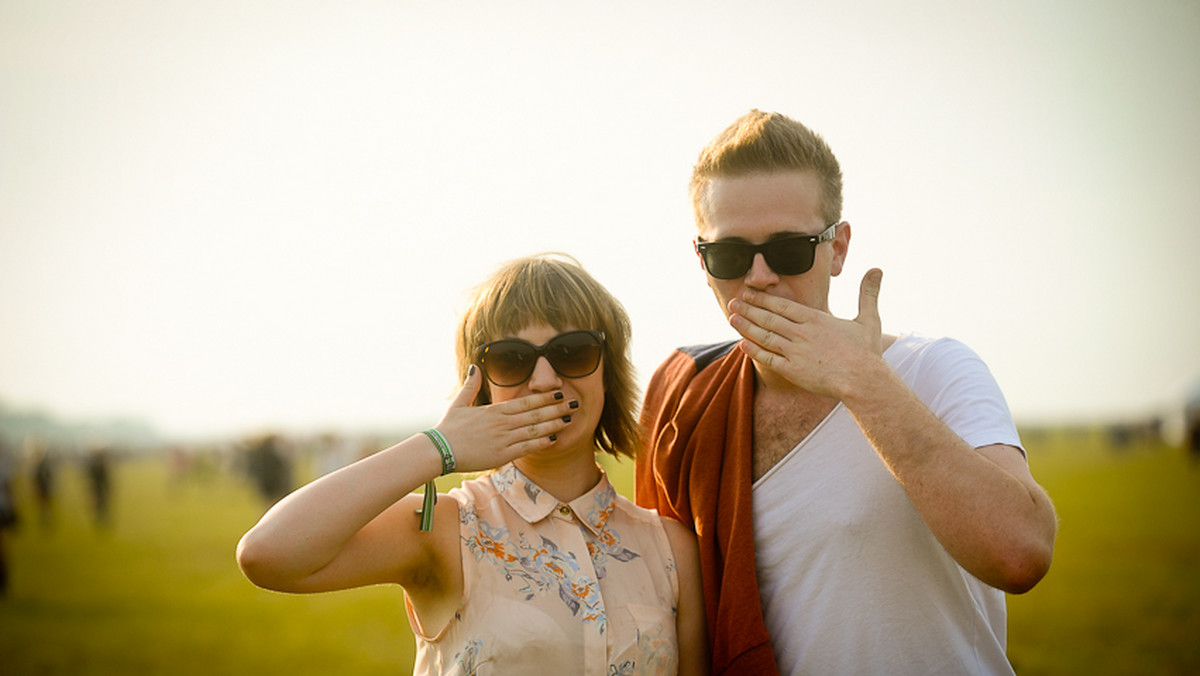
(698, 421)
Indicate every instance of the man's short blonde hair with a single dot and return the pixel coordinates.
(759, 142)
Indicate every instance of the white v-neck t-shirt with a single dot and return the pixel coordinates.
(851, 579)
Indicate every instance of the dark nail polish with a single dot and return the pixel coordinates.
(553, 438)
(470, 370)
(566, 418)
(573, 404)
(558, 395)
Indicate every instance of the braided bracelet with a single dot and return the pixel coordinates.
(448, 465)
(443, 447)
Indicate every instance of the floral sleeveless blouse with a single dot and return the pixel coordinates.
(586, 587)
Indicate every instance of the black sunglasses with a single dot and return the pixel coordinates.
(791, 255)
(511, 361)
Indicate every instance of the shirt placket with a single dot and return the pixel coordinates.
(595, 643)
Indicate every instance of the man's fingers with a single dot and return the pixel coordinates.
(759, 354)
(759, 306)
(751, 323)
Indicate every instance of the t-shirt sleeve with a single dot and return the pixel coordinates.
(959, 388)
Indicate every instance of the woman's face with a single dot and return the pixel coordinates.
(588, 390)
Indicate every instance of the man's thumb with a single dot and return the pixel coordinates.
(868, 295)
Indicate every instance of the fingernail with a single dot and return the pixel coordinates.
(553, 438)
(470, 370)
(558, 395)
(573, 404)
(566, 418)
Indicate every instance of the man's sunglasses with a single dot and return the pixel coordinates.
(791, 255)
(511, 361)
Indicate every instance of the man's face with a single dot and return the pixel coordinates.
(761, 207)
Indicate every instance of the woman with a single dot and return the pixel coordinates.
(539, 566)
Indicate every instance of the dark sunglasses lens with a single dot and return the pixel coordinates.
(790, 256)
(731, 260)
(508, 363)
(727, 260)
(574, 355)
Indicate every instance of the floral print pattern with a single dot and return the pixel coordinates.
(605, 543)
(465, 658)
(541, 567)
(657, 651)
(585, 587)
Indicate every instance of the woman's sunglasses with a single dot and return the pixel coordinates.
(510, 362)
(791, 255)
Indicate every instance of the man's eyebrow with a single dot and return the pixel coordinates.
(780, 234)
(784, 234)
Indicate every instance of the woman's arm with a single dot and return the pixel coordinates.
(691, 628)
(357, 526)
(350, 528)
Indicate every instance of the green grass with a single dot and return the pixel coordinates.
(1123, 594)
(159, 592)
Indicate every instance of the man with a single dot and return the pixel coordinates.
(862, 500)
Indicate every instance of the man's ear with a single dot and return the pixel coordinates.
(841, 246)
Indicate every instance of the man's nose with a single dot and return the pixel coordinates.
(760, 275)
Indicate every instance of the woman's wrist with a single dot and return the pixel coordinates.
(443, 448)
(447, 464)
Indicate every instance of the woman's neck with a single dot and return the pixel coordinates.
(565, 475)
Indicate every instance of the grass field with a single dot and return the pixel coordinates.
(158, 592)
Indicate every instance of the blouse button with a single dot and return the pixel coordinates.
(564, 510)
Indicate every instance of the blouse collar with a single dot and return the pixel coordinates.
(533, 504)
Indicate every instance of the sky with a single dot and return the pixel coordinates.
(234, 216)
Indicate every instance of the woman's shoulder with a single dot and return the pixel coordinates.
(636, 512)
(681, 537)
(674, 530)
(474, 489)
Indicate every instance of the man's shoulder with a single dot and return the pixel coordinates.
(923, 347)
(704, 355)
(679, 370)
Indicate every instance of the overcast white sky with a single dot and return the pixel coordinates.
(229, 215)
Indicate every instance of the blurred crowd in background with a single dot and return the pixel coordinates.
(35, 470)
(34, 462)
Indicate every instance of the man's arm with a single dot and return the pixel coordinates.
(982, 504)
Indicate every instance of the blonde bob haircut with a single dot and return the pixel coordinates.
(555, 290)
(759, 142)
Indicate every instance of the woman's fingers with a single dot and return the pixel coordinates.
(470, 388)
(536, 416)
(530, 402)
(483, 437)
